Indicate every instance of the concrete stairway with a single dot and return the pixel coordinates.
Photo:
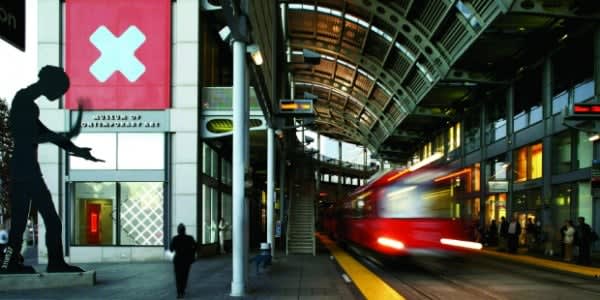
(301, 236)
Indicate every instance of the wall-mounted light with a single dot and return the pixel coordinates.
(225, 33)
(594, 137)
(254, 51)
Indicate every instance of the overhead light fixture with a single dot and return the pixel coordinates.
(594, 137)
(254, 51)
(521, 28)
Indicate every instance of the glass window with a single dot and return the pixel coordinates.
(439, 143)
(561, 204)
(585, 151)
(584, 91)
(584, 200)
(520, 121)
(536, 161)
(104, 146)
(334, 178)
(132, 156)
(561, 153)
(140, 213)
(528, 162)
(521, 164)
(496, 168)
(226, 172)
(207, 152)
(499, 129)
(559, 102)
(453, 137)
(93, 222)
(226, 212)
(209, 215)
(527, 200)
(535, 114)
(476, 178)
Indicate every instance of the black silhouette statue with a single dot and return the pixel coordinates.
(26, 183)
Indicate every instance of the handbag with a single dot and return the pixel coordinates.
(169, 255)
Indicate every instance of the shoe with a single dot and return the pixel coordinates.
(11, 265)
(63, 268)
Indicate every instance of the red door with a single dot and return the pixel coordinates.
(93, 223)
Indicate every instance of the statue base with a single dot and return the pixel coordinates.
(46, 280)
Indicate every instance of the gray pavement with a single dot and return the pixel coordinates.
(290, 277)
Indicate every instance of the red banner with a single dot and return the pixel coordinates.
(118, 53)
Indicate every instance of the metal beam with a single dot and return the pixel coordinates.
(436, 112)
(472, 78)
(559, 9)
(409, 135)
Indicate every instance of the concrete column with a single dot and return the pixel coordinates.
(482, 175)
(270, 187)
(50, 51)
(240, 99)
(547, 139)
(339, 185)
(596, 61)
(184, 118)
(282, 204)
(510, 111)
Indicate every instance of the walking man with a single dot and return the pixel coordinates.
(185, 252)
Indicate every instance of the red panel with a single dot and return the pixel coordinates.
(151, 90)
(93, 223)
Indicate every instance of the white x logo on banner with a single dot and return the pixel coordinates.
(117, 53)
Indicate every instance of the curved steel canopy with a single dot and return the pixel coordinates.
(379, 58)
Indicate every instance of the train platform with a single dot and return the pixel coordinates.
(547, 262)
(290, 277)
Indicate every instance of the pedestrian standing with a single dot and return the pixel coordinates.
(223, 228)
(514, 230)
(584, 240)
(184, 247)
(503, 234)
(569, 239)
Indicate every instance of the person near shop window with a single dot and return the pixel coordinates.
(503, 234)
(568, 240)
(27, 184)
(184, 247)
(583, 238)
(531, 232)
(223, 228)
(514, 230)
(493, 234)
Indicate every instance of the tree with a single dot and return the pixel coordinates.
(6, 147)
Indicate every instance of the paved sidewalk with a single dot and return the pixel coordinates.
(290, 277)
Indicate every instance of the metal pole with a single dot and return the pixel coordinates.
(270, 187)
(238, 280)
(247, 169)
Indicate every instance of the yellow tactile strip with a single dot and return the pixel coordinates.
(369, 284)
(546, 263)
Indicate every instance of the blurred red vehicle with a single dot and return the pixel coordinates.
(404, 212)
